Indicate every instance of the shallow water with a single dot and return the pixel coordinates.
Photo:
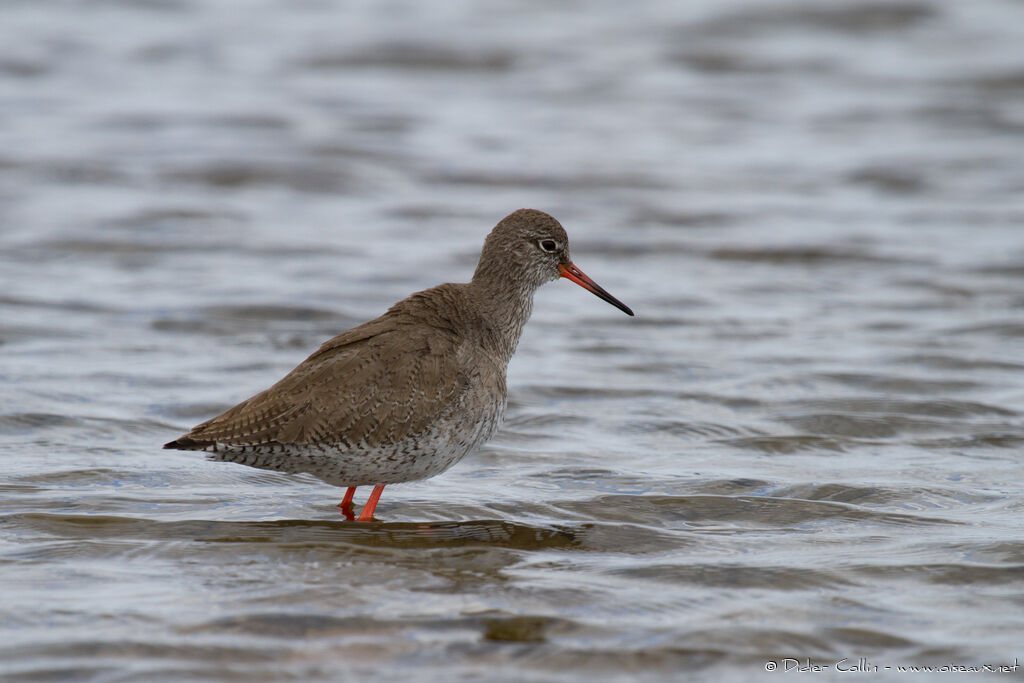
(807, 444)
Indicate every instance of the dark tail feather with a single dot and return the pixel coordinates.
(187, 444)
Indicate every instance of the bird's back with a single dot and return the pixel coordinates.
(372, 400)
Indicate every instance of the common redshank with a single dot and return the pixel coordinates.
(407, 395)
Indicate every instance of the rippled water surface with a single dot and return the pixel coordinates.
(807, 445)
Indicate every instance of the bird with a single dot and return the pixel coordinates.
(404, 396)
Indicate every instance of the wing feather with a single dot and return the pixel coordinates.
(376, 384)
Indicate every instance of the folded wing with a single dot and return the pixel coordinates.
(374, 385)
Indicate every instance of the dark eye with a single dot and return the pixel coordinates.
(549, 246)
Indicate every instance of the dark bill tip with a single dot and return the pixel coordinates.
(571, 272)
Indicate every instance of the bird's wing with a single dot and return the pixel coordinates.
(373, 385)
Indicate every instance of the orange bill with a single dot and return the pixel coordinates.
(571, 272)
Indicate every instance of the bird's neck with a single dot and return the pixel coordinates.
(505, 308)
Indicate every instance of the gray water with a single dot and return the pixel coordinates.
(806, 447)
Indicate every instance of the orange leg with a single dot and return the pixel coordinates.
(346, 504)
(371, 504)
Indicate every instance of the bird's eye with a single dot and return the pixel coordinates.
(549, 246)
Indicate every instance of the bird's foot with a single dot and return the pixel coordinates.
(371, 504)
(346, 504)
(350, 515)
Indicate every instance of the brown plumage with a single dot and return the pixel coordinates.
(406, 395)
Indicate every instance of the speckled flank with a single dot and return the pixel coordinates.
(418, 457)
(407, 395)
